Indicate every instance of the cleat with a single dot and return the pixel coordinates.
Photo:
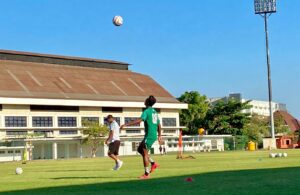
(144, 177)
(153, 167)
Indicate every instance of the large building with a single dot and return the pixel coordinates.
(258, 107)
(48, 97)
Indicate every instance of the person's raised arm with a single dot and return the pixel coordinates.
(131, 123)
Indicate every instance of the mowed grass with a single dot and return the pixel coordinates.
(240, 172)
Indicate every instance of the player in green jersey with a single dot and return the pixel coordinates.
(152, 133)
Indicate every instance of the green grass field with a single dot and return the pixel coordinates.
(213, 173)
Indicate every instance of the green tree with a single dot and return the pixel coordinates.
(227, 117)
(94, 133)
(193, 117)
(280, 125)
(257, 128)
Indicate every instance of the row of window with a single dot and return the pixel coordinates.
(44, 121)
(41, 132)
(70, 132)
(10, 151)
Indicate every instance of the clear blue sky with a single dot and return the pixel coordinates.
(216, 47)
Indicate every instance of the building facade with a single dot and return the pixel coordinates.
(258, 107)
(44, 99)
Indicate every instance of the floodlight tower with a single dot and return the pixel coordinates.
(265, 8)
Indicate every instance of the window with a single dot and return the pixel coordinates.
(67, 121)
(133, 131)
(112, 109)
(170, 131)
(54, 108)
(18, 151)
(128, 119)
(117, 119)
(169, 122)
(89, 119)
(2, 152)
(0, 107)
(42, 132)
(15, 121)
(16, 133)
(68, 132)
(43, 121)
(10, 151)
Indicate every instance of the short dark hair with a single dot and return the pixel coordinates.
(150, 101)
(109, 116)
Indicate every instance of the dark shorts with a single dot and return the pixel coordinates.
(113, 148)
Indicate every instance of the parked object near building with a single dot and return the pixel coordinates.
(49, 96)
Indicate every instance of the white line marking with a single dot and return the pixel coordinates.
(133, 82)
(34, 78)
(92, 88)
(18, 81)
(65, 82)
(114, 84)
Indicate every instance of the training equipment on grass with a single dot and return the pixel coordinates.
(19, 170)
(279, 155)
(284, 155)
(272, 155)
(189, 179)
(118, 20)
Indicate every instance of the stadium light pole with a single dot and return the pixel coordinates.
(265, 8)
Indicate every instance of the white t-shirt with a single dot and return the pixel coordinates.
(114, 126)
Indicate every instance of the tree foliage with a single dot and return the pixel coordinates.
(227, 117)
(193, 117)
(94, 133)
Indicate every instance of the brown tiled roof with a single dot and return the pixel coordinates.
(43, 80)
(61, 60)
(291, 121)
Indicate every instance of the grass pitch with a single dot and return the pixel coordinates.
(213, 173)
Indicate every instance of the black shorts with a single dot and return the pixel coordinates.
(113, 148)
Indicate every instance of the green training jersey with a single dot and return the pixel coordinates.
(151, 121)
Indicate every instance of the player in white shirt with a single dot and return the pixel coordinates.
(113, 141)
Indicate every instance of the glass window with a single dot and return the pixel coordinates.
(89, 119)
(68, 132)
(10, 151)
(67, 121)
(169, 131)
(42, 132)
(169, 122)
(42, 121)
(117, 119)
(18, 151)
(133, 131)
(128, 119)
(16, 133)
(15, 121)
(2, 152)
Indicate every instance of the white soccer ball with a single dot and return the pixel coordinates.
(284, 155)
(279, 155)
(19, 170)
(118, 20)
(272, 155)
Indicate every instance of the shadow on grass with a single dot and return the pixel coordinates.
(58, 178)
(257, 181)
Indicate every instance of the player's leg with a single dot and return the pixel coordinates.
(113, 154)
(144, 153)
(116, 154)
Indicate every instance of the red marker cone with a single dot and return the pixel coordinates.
(189, 179)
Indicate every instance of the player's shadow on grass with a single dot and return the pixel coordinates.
(254, 181)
